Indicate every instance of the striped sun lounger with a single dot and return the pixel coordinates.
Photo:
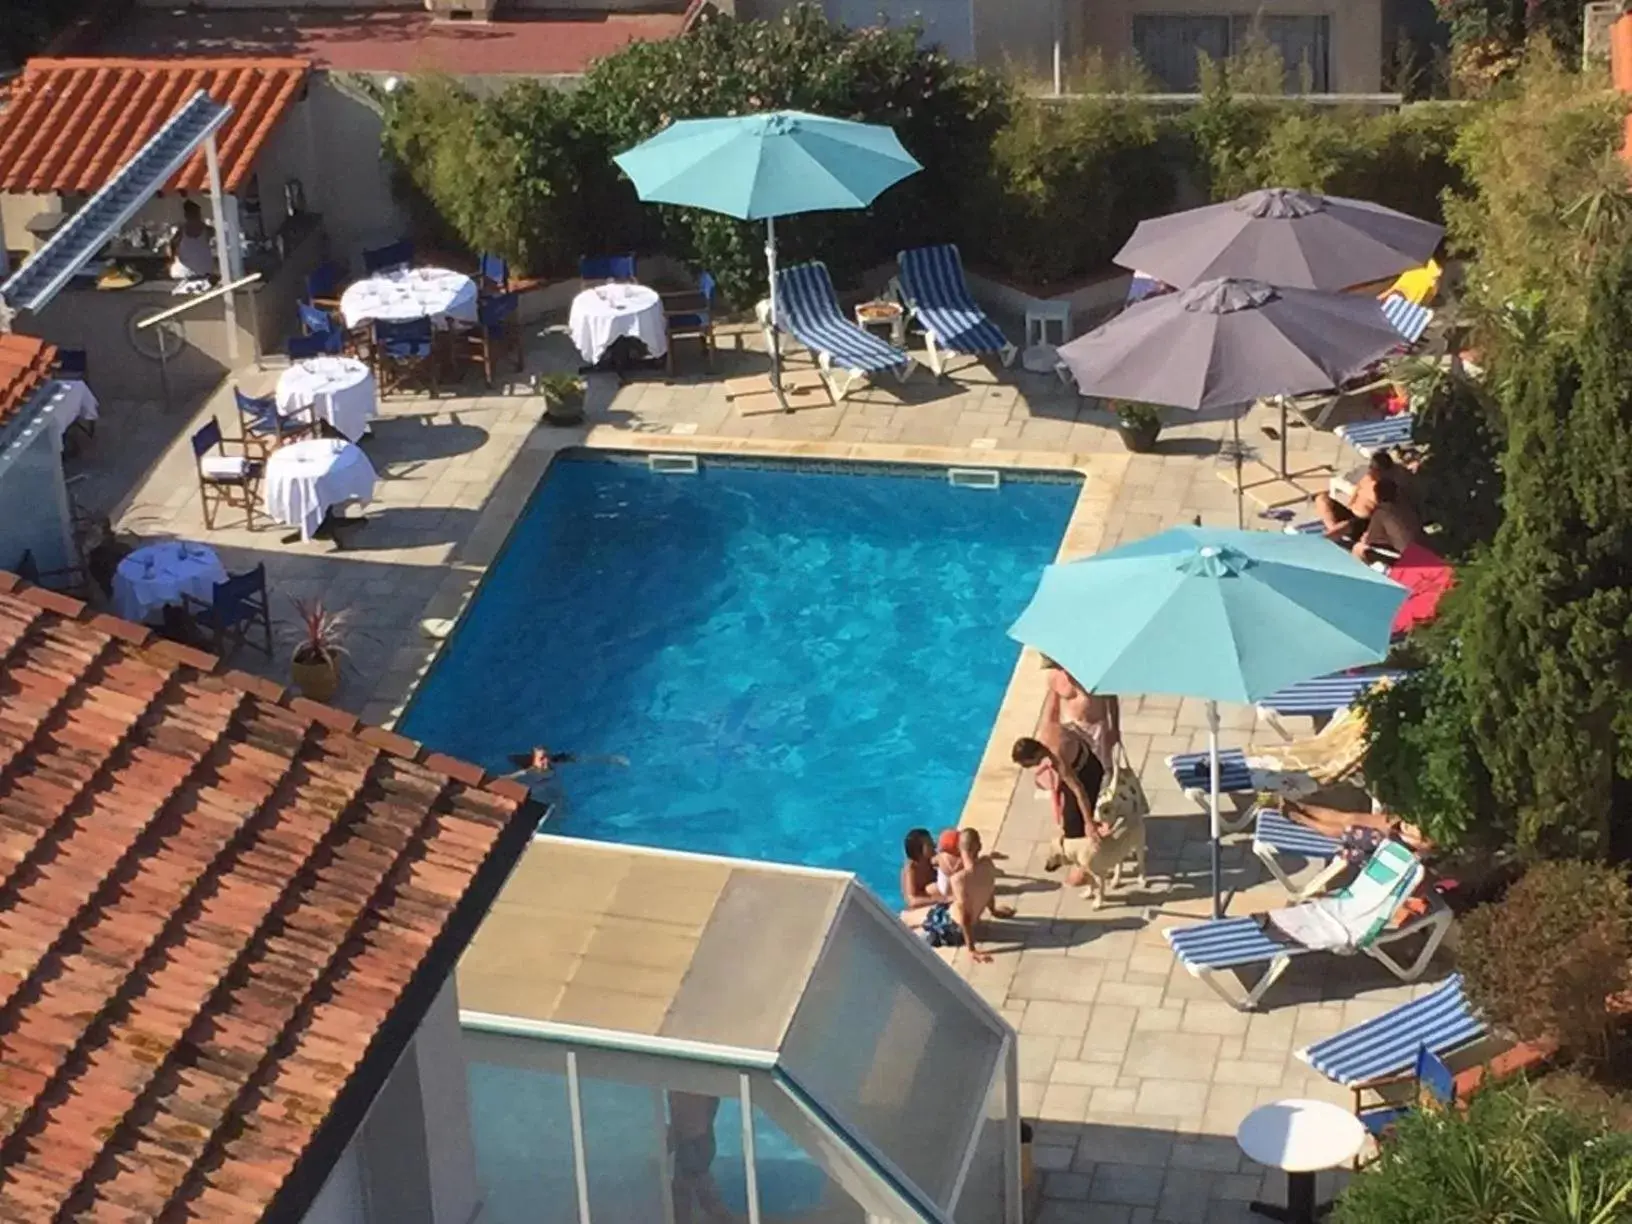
(1209, 950)
(1194, 776)
(1275, 836)
(1326, 694)
(933, 287)
(1369, 437)
(1387, 1044)
(1409, 319)
(807, 308)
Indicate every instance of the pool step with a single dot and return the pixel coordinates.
(974, 478)
(673, 465)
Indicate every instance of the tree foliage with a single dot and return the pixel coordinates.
(1489, 37)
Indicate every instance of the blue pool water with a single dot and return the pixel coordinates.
(798, 665)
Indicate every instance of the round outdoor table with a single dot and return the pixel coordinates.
(340, 390)
(1300, 1137)
(305, 479)
(437, 294)
(157, 575)
(607, 313)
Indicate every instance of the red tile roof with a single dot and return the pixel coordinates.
(223, 913)
(25, 366)
(68, 124)
(537, 43)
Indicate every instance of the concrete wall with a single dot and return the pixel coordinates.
(34, 514)
(350, 184)
(1356, 62)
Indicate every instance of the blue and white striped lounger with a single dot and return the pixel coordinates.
(1275, 835)
(807, 308)
(1326, 694)
(1369, 437)
(934, 289)
(1409, 319)
(1387, 1044)
(1194, 776)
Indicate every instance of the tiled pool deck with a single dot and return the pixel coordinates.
(1137, 1073)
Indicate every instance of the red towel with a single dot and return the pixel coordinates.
(1426, 576)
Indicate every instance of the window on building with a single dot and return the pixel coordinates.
(1169, 45)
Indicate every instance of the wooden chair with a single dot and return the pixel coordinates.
(323, 286)
(262, 425)
(690, 316)
(600, 269)
(403, 352)
(238, 607)
(225, 479)
(497, 330)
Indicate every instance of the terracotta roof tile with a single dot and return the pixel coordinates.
(215, 900)
(69, 124)
(25, 367)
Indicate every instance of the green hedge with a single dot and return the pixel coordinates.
(1040, 191)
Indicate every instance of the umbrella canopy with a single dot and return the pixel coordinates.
(1285, 237)
(1225, 343)
(1216, 614)
(776, 164)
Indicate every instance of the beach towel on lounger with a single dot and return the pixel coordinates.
(1353, 917)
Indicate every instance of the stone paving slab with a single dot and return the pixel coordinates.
(1135, 1072)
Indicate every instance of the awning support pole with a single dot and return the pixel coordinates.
(218, 215)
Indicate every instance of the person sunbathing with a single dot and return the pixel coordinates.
(1359, 832)
(1345, 523)
(1393, 525)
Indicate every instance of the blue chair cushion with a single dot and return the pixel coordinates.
(933, 282)
(1379, 1122)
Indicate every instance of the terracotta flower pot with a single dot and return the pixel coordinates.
(318, 679)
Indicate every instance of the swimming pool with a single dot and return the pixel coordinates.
(797, 664)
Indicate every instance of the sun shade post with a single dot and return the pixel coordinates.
(1215, 831)
(223, 267)
(775, 336)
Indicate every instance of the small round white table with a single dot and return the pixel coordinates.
(442, 296)
(606, 313)
(339, 389)
(305, 479)
(1300, 1137)
(157, 575)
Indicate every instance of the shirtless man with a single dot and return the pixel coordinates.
(691, 1141)
(1345, 524)
(1069, 709)
(974, 893)
(1393, 524)
(918, 889)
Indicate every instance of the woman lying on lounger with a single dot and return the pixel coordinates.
(1360, 832)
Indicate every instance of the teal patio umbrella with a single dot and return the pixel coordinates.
(1217, 614)
(765, 166)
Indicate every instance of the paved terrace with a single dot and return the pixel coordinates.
(1136, 1073)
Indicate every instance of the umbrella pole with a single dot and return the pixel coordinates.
(1215, 831)
(776, 338)
(1284, 475)
(1240, 490)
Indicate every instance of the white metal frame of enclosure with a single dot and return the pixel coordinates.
(746, 1061)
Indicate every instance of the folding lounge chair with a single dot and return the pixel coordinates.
(1193, 774)
(1387, 1045)
(933, 287)
(807, 308)
(1369, 437)
(1409, 319)
(1275, 835)
(1364, 909)
(1324, 695)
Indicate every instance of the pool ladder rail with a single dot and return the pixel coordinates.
(974, 478)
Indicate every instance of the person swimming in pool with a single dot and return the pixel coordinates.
(535, 766)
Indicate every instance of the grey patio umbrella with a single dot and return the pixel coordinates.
(1286, 237)
(1225, 343)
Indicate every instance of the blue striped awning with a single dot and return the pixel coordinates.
(44, 274)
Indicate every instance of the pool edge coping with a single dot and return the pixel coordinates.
(996, 776)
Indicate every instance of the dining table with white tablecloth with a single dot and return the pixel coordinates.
(443, 296)
(304, 480)
(69, 400)
(340, 390)
(155, 576)
(605, 314)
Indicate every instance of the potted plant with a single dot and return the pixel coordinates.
(563, 398)
(1139, 426)
(315, 665)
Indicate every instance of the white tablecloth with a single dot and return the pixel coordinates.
(304, 479)
(340, 389)
(70, 400)
(603, 314)
(414, 293)
(159, 574)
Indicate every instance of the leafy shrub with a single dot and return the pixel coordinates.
(1541, 961)
(1511, 1157)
